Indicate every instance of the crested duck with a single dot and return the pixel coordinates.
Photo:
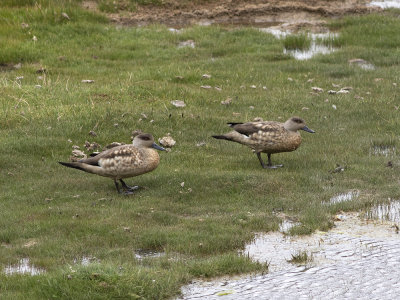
(123, 161)
(267, 136)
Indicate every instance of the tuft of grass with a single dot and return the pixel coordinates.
(301, 258)
(297, 41)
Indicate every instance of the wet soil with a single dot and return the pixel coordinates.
(296, 14)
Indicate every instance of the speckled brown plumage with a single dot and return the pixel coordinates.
(123, 161)
(267, 136)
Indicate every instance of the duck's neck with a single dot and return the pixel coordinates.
(288, 125)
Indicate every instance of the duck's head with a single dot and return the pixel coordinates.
(146, 140)
(296, 123)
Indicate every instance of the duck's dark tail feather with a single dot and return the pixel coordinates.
(221, 137)
(233, 124)
(74, 165)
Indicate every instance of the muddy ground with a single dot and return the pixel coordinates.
(292, 15)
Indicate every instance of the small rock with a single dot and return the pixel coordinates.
(179, 77)
(24, 25)
(77, 155)
(200, 144)
(38, 86)
(92, 133)
(389, 164)
(227, 101)
(34, 38)
(167, 141)
(317, 89)
(41, 70)
(206, 86)
(19, 77)
(258, 119)
(182, 184)
(310, 80)
(358, 97)
(75, 147)
(265, 88)
(253, 86)
(87, 81)
(218, 88)
(178, 103)
(206, 76)
(338, 169)
(305, 108)
(188, 43)
(65, 16)
(251, 107)
(347, 88)
(332, 92)
(334, 106)
(378, 79)
(144, 115)
(342, 91)
(290, 79)
(135, 133)
(18, 66)
(91, 146)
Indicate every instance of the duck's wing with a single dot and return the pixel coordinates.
(254, 127)
(113, 153)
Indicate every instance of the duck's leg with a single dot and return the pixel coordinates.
(127, 187)
(261, 161)
(270, 165)
(127, 190)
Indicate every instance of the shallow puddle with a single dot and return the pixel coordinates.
(142, 254)
(344, 197)
(357, 259)
(386, 4)
(286, 225)
(383, 150)
(23, 267)
(304, 54)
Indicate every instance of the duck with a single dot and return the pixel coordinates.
(123, 161)
(267, 137)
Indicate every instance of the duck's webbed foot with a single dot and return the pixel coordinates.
(127, 187)
(269, 165)
(127, 190)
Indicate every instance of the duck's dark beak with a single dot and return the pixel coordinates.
(155, 146)
(305, 128)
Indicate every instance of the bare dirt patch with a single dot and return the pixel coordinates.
(294, 14)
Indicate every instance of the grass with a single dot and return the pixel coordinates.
(55, 216)
(301, 258)
(297, 41)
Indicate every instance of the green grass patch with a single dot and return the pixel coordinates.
(297, 41)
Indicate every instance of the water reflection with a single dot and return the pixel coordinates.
(344, 197)
(315, 48)
(23, 267)
(386, 212)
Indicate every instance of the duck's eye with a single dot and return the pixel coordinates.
(145, 138)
